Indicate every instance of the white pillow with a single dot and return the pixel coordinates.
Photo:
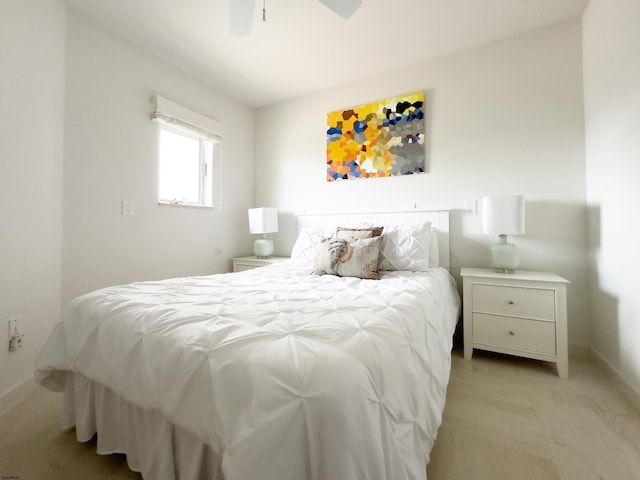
(305, 250)
(405, 247)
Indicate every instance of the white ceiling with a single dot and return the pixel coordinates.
(304, 47)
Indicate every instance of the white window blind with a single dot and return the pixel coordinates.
(178, 116)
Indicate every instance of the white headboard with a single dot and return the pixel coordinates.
(439, 220)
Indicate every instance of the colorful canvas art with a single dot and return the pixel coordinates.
(377, 139)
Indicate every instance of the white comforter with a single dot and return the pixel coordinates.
(286, 375)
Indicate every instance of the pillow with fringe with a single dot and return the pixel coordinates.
(356, 258)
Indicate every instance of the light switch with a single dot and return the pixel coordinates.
(471, 207)
(128, 208)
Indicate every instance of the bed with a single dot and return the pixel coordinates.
(281, 372)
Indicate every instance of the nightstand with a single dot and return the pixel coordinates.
(521, 313)
(241, 264)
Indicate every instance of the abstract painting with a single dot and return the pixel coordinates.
(378, 139)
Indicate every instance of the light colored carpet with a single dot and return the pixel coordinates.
(512, 418)
(34, 447)
(506, 418)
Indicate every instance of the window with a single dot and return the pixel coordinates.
(190, 146)
(188, 164)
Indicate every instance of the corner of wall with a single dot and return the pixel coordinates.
(632, 394)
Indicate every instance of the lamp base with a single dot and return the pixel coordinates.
(504, 270)
(505, 256)
(263, 247)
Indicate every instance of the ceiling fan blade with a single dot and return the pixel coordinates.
(344, 8)
(240, 17)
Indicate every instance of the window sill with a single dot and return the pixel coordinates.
(180, 204)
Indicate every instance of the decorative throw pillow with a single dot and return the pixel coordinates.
(356, 233)
(344, 258)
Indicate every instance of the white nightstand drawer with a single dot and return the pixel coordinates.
(240, 264)
(517, 333)
(241, 267)
(536, 303)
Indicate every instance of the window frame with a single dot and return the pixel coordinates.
(209, 170)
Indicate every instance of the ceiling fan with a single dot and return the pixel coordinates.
(241, 13)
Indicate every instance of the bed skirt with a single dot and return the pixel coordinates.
(154, 447)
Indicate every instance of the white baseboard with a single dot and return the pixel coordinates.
(14, 395)
(631, 392)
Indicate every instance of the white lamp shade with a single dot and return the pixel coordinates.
(503, 215)
(263, 220)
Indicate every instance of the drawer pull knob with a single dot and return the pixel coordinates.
(510, 302)
(511, 333)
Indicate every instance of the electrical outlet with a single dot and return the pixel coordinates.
(15, 335)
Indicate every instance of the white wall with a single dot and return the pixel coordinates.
(111, 155)
(506, 117)
(612, 114)
(32, 106)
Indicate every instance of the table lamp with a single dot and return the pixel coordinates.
(262, 221)
(503, 215)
